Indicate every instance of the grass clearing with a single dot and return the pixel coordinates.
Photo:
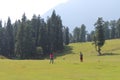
(67, 66)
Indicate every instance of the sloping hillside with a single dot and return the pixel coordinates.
(71, 52)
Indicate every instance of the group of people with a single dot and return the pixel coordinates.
(52, 58)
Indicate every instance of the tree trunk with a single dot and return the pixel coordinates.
(99, 51)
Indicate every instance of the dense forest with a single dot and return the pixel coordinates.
(36, 38)
(31, 39)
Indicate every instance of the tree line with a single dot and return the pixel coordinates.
(31, 39)
(111, 30)
(35, 38)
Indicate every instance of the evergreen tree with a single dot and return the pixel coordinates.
(29, 45)
(88, 37)
(92, 35)
(71, 39)
(1, 39)
(82, 33)
(99, 35)
(10, 38)
(106, 30)
(66, 36)
(60, 34)
(76, 34)
(49, 33)
(43, 37)
(16, 25)
(113, 29)
(118, 29)
(36, 29)
(54, 25)
(20, 42)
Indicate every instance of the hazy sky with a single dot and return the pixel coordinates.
(77, 12)
(88, 10)
(15, 8)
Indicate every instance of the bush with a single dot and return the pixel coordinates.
(39, 50)
(2, 57)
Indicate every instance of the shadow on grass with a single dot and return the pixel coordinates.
(109, 54)
(65, 51)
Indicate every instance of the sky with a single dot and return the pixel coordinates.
(85, 11)
(15, 8)
(77, 12)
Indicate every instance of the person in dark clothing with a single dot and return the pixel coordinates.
(81, 57)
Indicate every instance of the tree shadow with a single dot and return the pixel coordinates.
(65, 51)
(109, 54)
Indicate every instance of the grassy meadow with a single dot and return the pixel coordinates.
(67, 65)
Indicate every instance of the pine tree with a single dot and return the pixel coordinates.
(1, 39)
(29, 45)
(36, 28)
(10, 38)
(43, 37)
(16, 26)
(66, 41)
(76, 34)
(59, 32)
(88, 37)
(113, 29)
(99, 35)
(20, 42)
(54, 25)
(82, 33)
(92, 35)
(118, 29)
(106, 30)
(71, 39)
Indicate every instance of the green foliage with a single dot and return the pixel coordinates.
(35, 23)
(76, 34)
(25, 46)
(118, 29)
(113, 27)
(20, 39)
(3, 57)
(99, 35)
(66, 35)
(55, 35)
(35, 32)
(19, 46)
(106, 30)
(82, 33)
(9, 39)
(39, 50)
(79, 34)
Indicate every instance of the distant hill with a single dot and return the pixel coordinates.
(77, 12)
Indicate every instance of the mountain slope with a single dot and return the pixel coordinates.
(77, 12)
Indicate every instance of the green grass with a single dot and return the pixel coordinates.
(67, 65)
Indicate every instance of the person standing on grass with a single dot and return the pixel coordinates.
(81, 57)
(51, 58)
